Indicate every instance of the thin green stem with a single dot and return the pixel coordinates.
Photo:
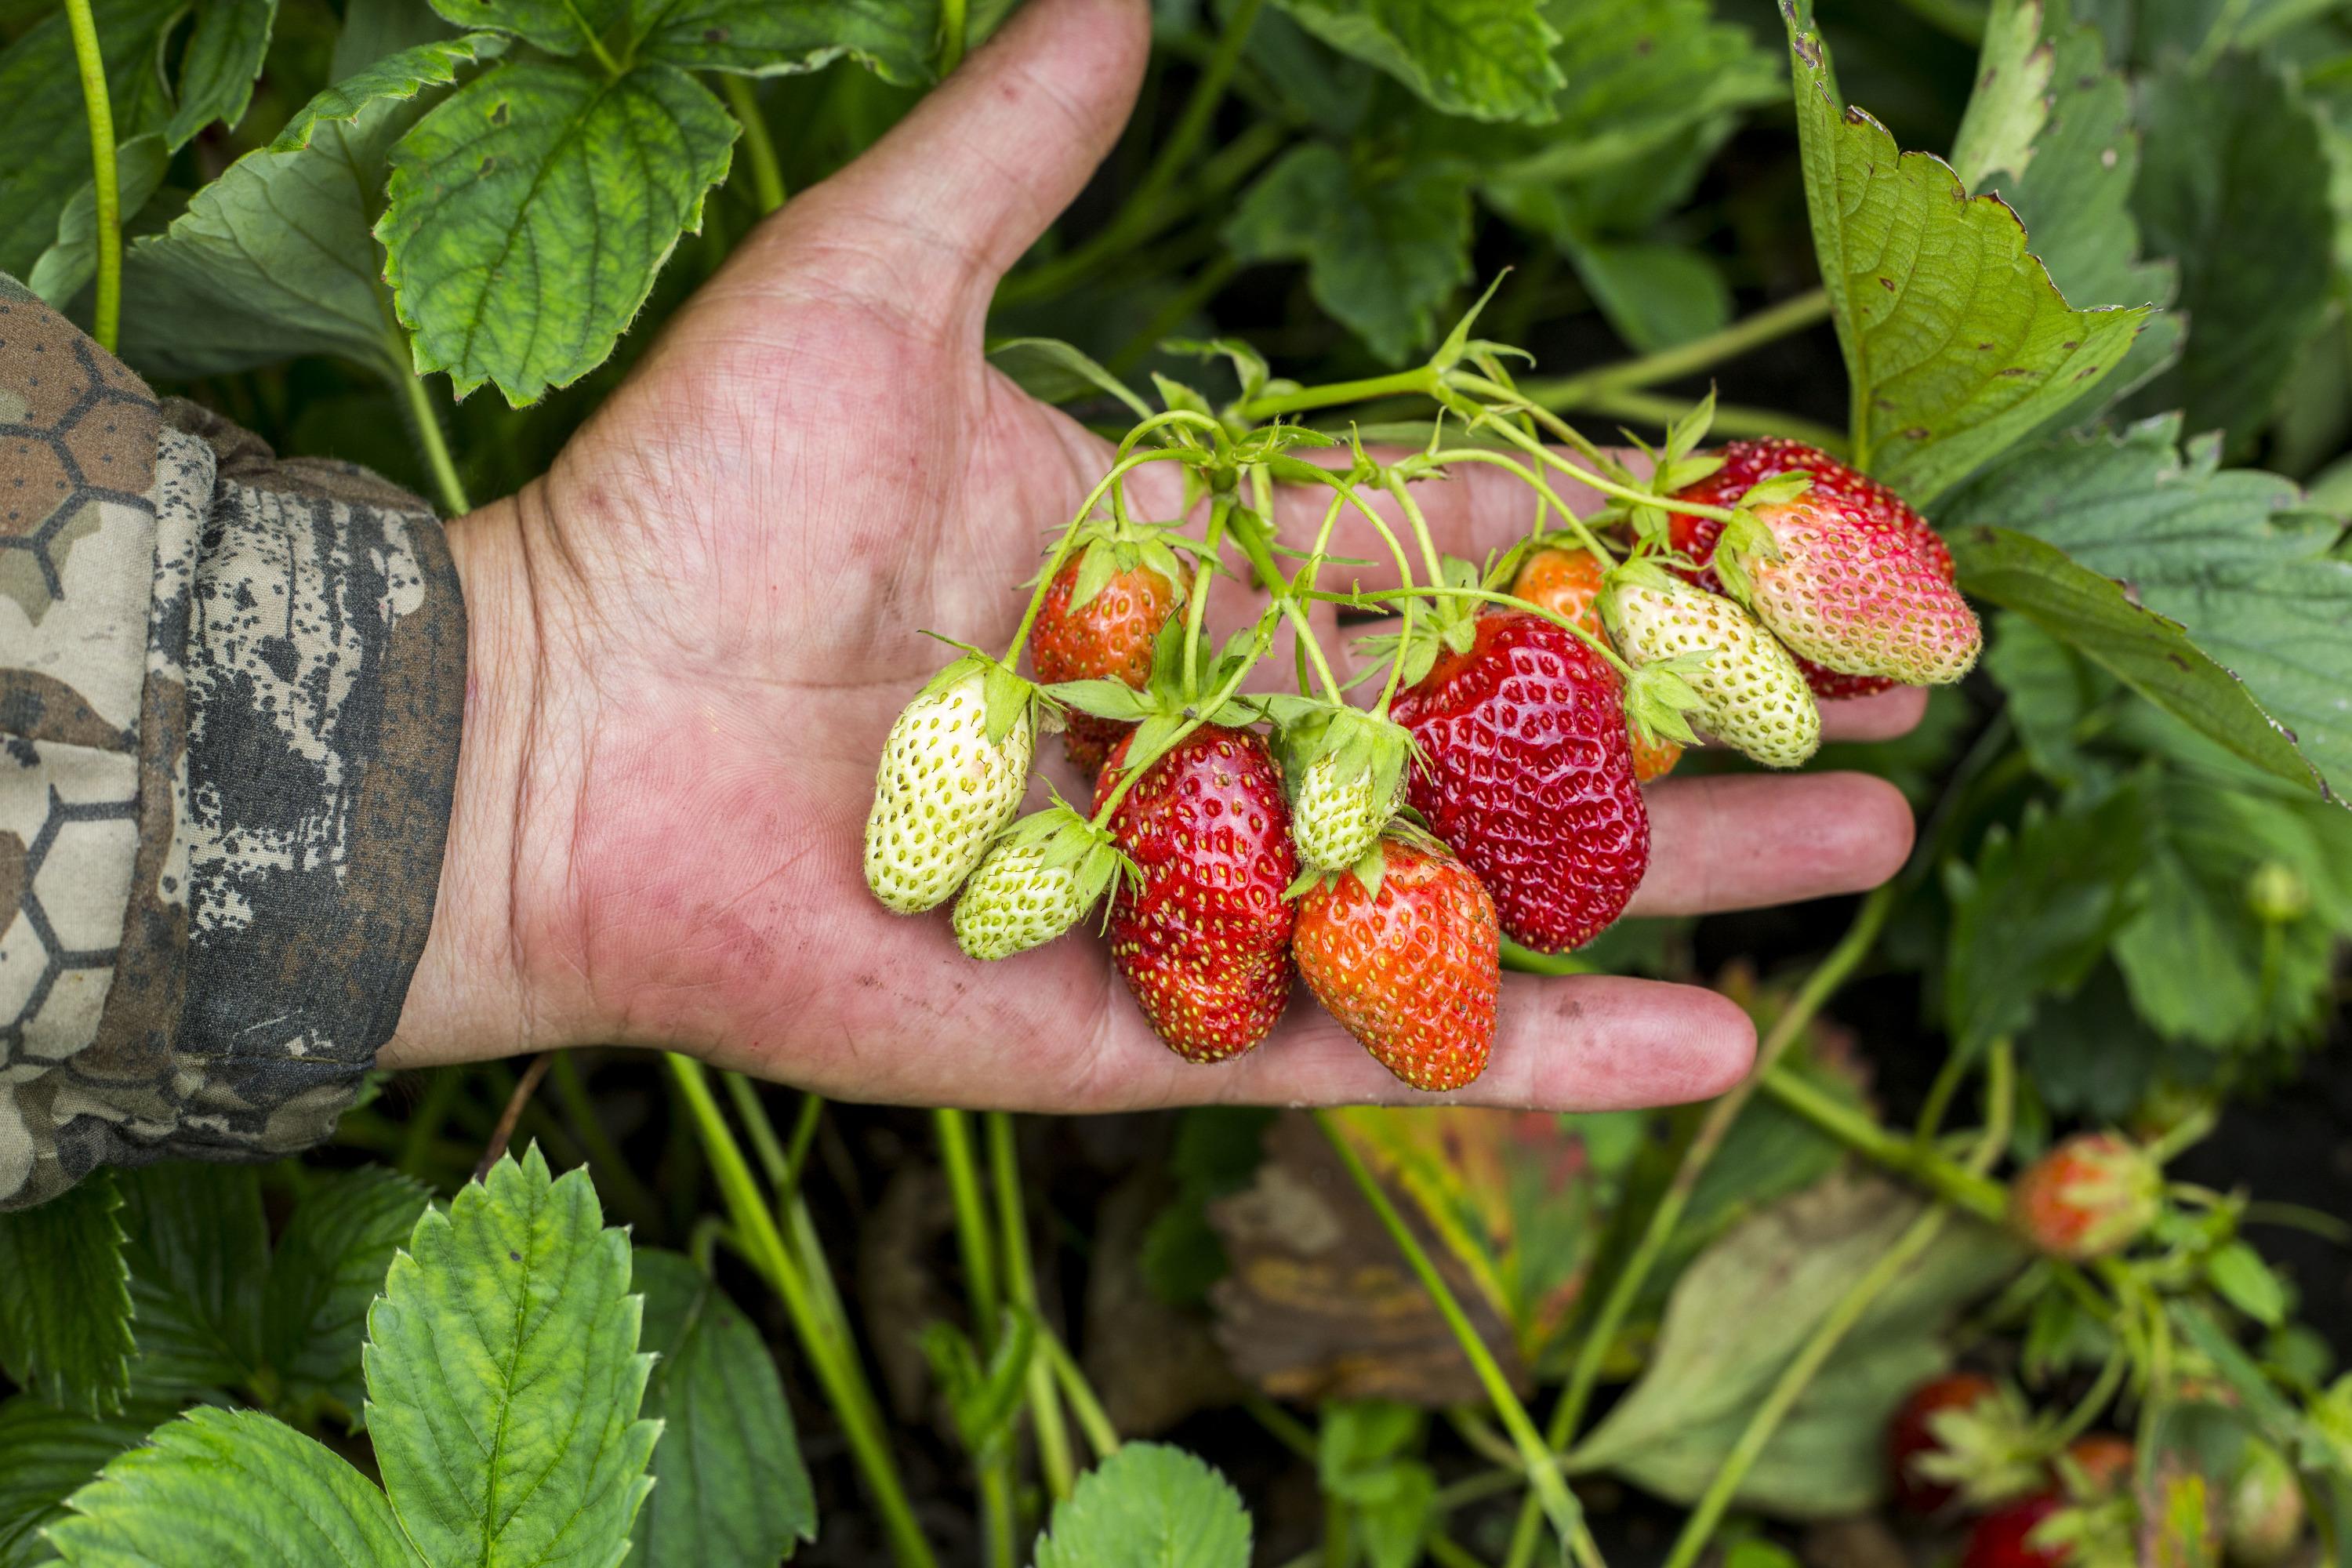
(973, 1237)
(1534, 482)
(1647, 408)
(996, 1513)
(953, 26)
(759, 147)
(1021, 1287)
(1790, 315)
(1894, 1152)
(1543, 1473)
(1421, 381)
(1584, 1376)
(1119, 469)
(1486, 596)
(796, 1153)
(1939, 1095)
(1101, 1433)
(427, 421)
(824, 1336)
(1430, 560)
(1196, 611)
(1135, 768)
(98, 107)
(1585, 477)
(766, 1146)
(1204, 285)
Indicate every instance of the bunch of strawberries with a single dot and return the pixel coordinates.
(1494, 788)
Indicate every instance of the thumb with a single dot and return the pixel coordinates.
(953, 197)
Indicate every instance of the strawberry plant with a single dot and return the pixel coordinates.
(1520, 443)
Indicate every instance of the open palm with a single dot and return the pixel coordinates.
(690, 637)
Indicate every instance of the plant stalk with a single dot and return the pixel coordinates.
(426, 420)
(98, 109)
(1021, 1288)
(759, 146)
(1790, 315)
(1895, 1151)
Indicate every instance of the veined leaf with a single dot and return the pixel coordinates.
(220, 1486)
(198, 1246)
(67, 267)
(732, 1491)
(2234, 187)
(1488, 59)
(64, 1314)
(1147, 1506)
(559, 27)
(530, 213)
(2254, 584)
(274, 259)
(504, 1379)
(1957, 344)
(330, 1264)
(223, 56)
(41, 116)
(45, 1455)
(1383, 247)
(895, 39)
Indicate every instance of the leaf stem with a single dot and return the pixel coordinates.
(759, 146)
(953, 25)
(1790, 315)
(1895, 1151)
(1021, 1288)
(1421, 380)
(427, 421)
(98, 109)
(823, 1338)
(1832, 972)
(1543, 1473)
(972, 1238)
(1092, 1421)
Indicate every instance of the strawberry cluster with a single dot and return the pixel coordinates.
(1492, 790)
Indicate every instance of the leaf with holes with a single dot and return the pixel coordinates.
(895, 39)
(504, 1379)
(1957, 344)
(528, 214)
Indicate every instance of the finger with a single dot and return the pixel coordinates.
(1881, 716)
(946, 203)
(1583, 1042)
(1744, 841)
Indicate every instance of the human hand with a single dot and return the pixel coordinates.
(690, 638)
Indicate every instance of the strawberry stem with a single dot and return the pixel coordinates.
(1422, 380)
(1607, 487)
(1195, 612)
(1534, 482)
(1135, 768)
(1488, 595)
(1411, 507)
(1118, 470)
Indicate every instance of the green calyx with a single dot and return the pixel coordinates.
(1171, 693)
(1675, 465)
(1011, 697)
(1361, 745)
(1748, 538)
(1065, 840)
(1659, 694)
(1113, 547)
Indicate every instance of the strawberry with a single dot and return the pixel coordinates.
(2005, 1537)
(1751, 694)
(1404, 950)
(1343, 770)
(2092, 1195)
(1567, 581)
(953, 770)
(1846, 574)
(1913, 1436)
(1203, 936)
(2263, 1513)
(1101, 616)
(1528, 775)
(1037, 880)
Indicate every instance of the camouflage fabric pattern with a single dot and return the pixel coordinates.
(230, 692)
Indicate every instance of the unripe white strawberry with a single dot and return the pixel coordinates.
(1037, 880)
(1344, 776)
(952, 774)
(1751, 693)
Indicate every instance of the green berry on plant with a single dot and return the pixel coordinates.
(1751, 695)
(1528, 775)
(1404, 950)
(953, 769)
(1344, 772)
(2091, 1197)
(1037, 880)
(1202, 934)
(2263, 1512)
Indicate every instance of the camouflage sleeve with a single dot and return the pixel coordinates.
(230, 690)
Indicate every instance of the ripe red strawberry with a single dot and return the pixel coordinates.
(1912, 1435)
(1410, 963)
(1863, 593)
(1568, 583)
(1203, 939)
(1530, 778)
(2092, 1195)
(1108, 637)
(2002, 1538)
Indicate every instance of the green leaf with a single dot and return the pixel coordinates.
(67, 267)
(64, 1316)
(2232, 154)
(896, 39)
(1741, 1312)
(2036, 912)
(274, 259)
(559, 27)
(732, 1491)
(1656, 295)
(1147, 1506)
(1488, 59)
(2221, 553)
(198, 1247)
(528, 214)
(2010, 104)
(503, 1376)
(1637, 75)
(221, 1486)
(41, 115)
(44, 1454)
(330, 1266)
(1383, 246)
(1956, 342)
(223, 56)
(1053, 372)
(2247, 1283)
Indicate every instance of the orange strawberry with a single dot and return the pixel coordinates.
(1101, 614)
(1404, 950)
(1567, 581)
